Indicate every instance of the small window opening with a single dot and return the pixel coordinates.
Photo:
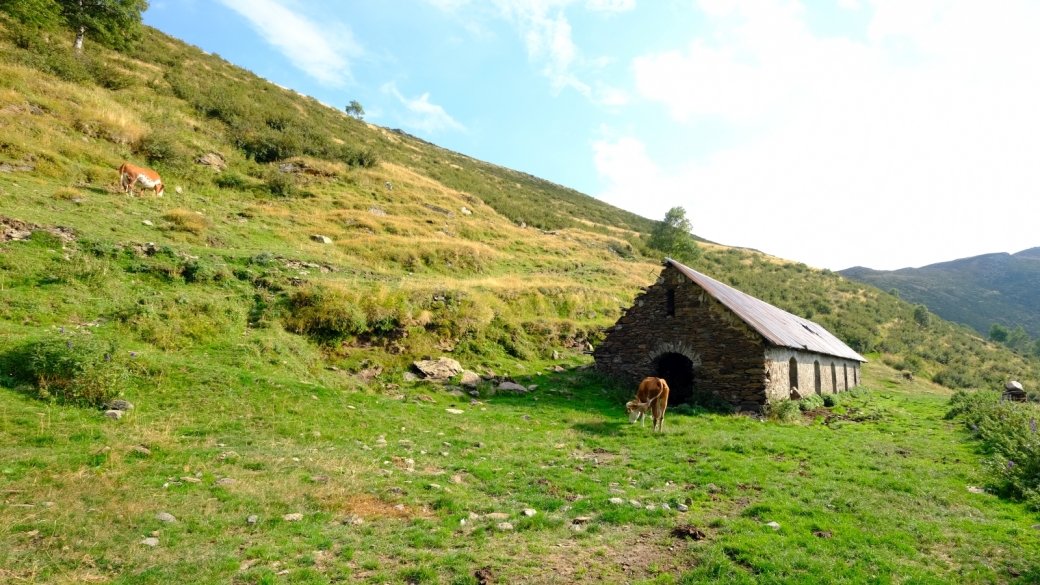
(671, 302)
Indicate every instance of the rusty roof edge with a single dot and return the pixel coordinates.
(761, 327)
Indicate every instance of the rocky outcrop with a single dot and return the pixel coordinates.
(438, 370)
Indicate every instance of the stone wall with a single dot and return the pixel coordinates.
(727, 354)
(778, 360)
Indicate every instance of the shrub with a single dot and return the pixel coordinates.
(161, 148)
(1009, 435)
(231, 180)
(324, 314)
(810, 402)
(281, 184)
(66, 194)
(783, 410)
(682, 409)
(831, 400)
(80, 369)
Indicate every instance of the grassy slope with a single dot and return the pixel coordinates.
(215, 366)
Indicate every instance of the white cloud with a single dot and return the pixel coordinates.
(423, 114)
(850, 4)
(914, 145)
(610, 5)
(322, 51)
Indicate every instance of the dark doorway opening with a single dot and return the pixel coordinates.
(819, 378)
(677, 370)
(792, 373)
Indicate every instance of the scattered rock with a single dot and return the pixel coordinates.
(321, 478)
(511, 387)
(426, 398)
(457, 393)
(456, 479)
(191, 479)
(252, 519)
(150, 541)
(147, 222)
(374, 210)
(526, 417)
(354, 520)
(682, 507)
(479, 445)
(119, 405)
(635, 503)
(465, 211)
(474, 394)
(529, 512)
(227, 455)
(688, 531)
(114, 414)
(225, 482)
(213, 161)
(559, 369)
(453, 410)
(532, 387)
(822, 534)
(288, 168)
(650, 507)
(504, 526)
(1036, 526)
(773, 525)
(440, 210)
(296, 517)
(469, 379)
(141, 449)
(389, 186)
(555, 355)
(9, 168)
(616, 501)
(1013, 386)
(321, 239)
(439, 369)
(497, 516)
(1014, 391)
(976, 490)
(410, 377)
(665, 507)
(165, 517)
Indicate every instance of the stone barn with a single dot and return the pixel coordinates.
(703, 336)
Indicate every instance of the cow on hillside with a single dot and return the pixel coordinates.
(652, 396)
(130, 176)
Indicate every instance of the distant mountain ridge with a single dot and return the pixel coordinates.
(978, 291)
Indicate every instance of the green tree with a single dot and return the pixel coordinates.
(672, 236)
(1018, 340)
(998, 333)
(355, 110)
(115, 23)
(922, 316)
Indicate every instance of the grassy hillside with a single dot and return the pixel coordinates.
(979, 291)
(254, 351)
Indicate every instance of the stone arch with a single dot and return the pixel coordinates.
(818, 377)
(678, 347)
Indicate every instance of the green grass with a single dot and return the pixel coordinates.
(891, 491)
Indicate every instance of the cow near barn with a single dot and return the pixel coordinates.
(652, 396)
(131, 176)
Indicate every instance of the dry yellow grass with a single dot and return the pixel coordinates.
(185, 220)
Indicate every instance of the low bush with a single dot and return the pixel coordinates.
(74, 368)
(1009, 435)
(231, 180)
(810, 402)
(281, 184)
(324, 314)
(831, 400)
(783, 410)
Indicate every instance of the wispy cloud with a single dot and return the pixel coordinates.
(322, 51)
(547, 34)
(423, 115)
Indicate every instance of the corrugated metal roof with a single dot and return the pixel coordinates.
(776, 325)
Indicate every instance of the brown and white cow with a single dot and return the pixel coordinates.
(652, 396)
(130, 176)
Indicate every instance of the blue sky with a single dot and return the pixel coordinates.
(883, 133)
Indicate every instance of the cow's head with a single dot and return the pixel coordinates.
(159, 189)
(635, 408)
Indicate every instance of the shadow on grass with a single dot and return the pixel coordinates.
(602, 429)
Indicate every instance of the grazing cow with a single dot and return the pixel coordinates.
(129, 176)
(653, 396)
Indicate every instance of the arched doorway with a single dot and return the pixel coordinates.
(677, 370)
(819, 378)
